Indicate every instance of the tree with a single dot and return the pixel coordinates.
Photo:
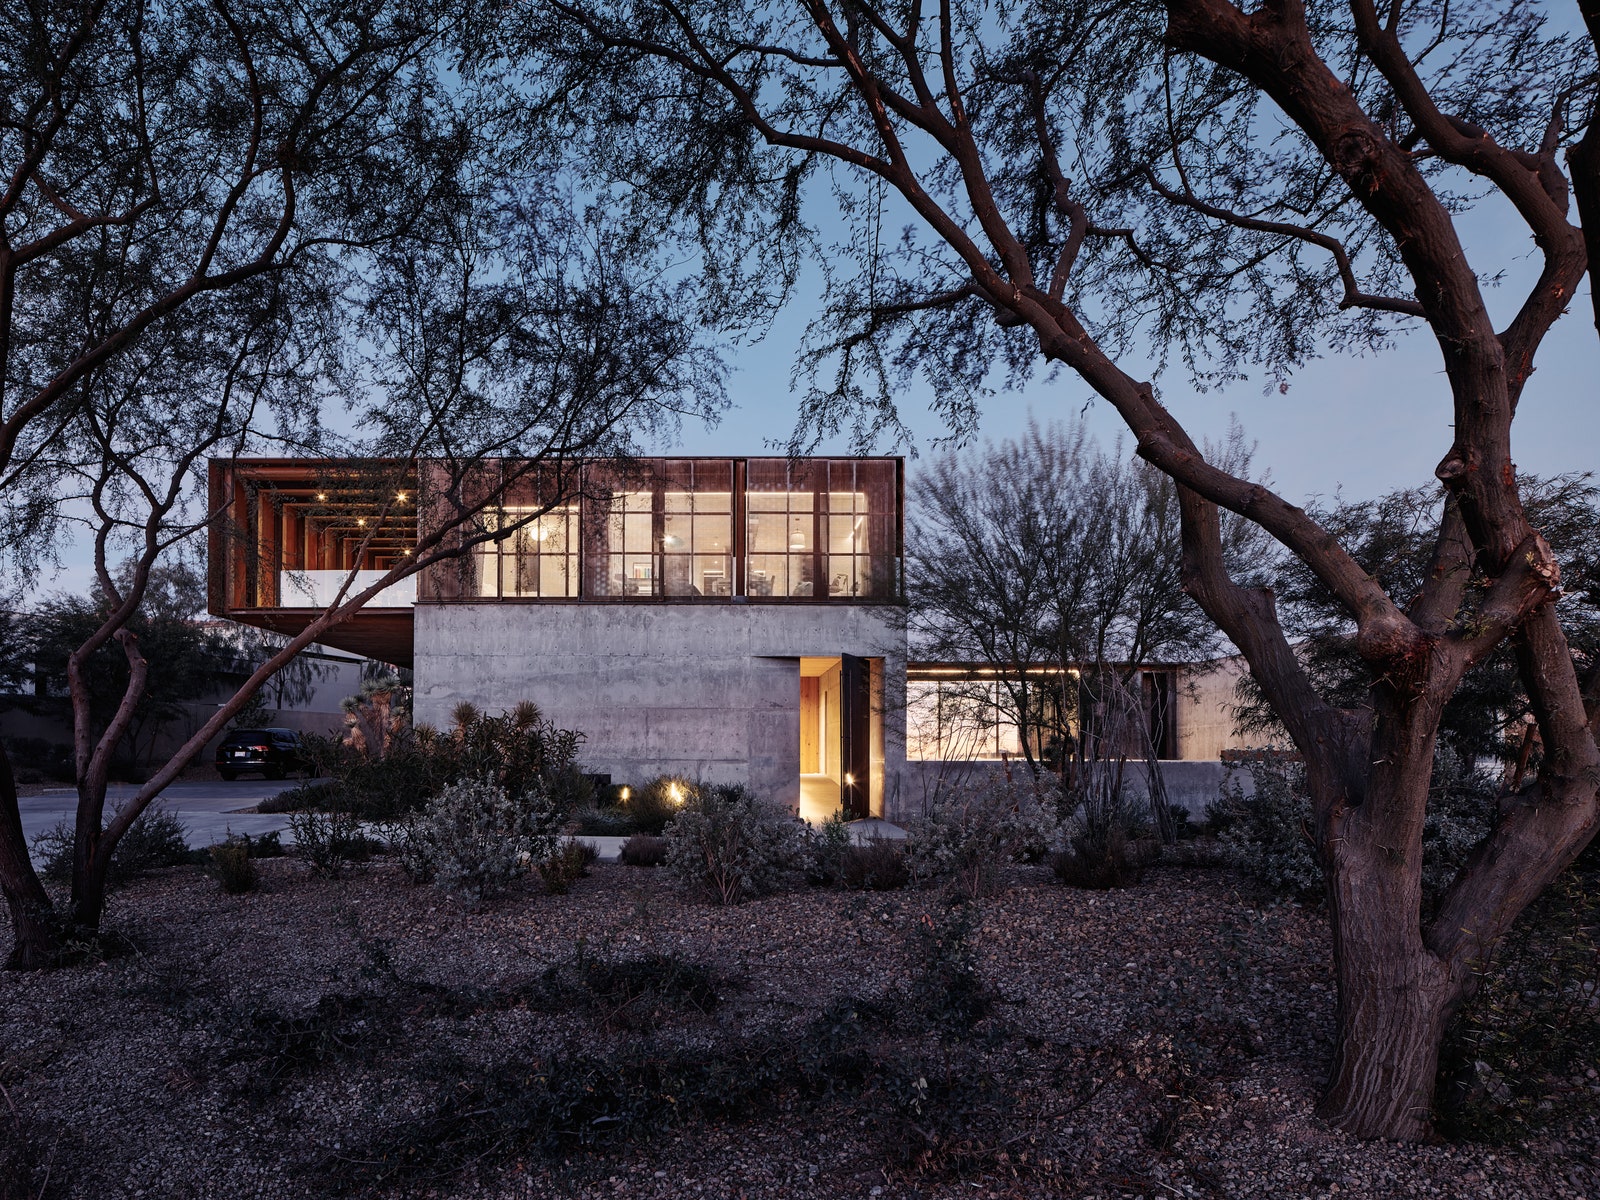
(1391, 537)
(1047, 552)
(186, 660)
(219, 219)
(1235, 189)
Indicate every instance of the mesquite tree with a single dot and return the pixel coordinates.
(1236, 187)
(1048, 551)
(220, 218)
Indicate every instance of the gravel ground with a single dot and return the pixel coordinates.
(362, 1035)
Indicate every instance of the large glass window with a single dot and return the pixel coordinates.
(780, 524)
(625, 558)
(823, 528)
(538, 558)
(774, 528)
(697, 529)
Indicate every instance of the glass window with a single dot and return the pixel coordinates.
(697, 528)
(780, 529)
(539, 557)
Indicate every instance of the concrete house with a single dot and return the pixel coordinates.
(723, 619)
(726, 619)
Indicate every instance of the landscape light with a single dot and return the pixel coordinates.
(627, 794)
(675, 793)
(849, 780)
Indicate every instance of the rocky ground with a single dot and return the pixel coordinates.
(364, 1036)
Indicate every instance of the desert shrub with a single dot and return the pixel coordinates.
(727, 846)
(945, 985)
(155, 840)
(232, 867)
(330, 841)
(53, 848)
(1267, 834)
(1521, 1053)
(570, 863)
(643, 850)
(965, 835)
(875, 866)
(264, 845)
(1115, 862)
(388, 777)
(316, 795)
(830, 842)
(475, 838)
(652, 807)
(602, 820)
(624, 811)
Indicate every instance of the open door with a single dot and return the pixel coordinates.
(855, 736)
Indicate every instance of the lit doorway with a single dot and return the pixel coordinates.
(836, 734)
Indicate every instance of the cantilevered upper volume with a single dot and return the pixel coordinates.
(293, 536)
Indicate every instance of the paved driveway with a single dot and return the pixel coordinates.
(209, 810)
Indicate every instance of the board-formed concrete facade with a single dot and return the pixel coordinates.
(707, 692)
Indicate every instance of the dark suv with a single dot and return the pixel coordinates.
(273, 752)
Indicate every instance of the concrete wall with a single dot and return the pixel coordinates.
(708, 691)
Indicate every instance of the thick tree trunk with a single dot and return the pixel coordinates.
(89, 894)
(1395, 1000)
(33, 921)
(1393, 1010)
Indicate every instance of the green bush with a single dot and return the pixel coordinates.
(475, 838)
(317, 795)
(412, 765)
(643, 850)
(1117, 861)
(728, 846)
(232, 867)
(876, 866)
(265, 845)
(829, 842)
(1521, 1053)
(570, 863)
(652, 807)
(626, 811)
(965, 835)
(1268, 834)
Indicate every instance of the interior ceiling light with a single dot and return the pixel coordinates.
(400, 496)
(362, 521)
(322, 495)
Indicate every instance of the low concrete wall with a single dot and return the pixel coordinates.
(707, 691)
(1191, 785)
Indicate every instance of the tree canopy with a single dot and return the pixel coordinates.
(1093, 184)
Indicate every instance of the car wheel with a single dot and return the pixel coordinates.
(228, 776)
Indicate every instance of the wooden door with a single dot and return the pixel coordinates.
(855, 736)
